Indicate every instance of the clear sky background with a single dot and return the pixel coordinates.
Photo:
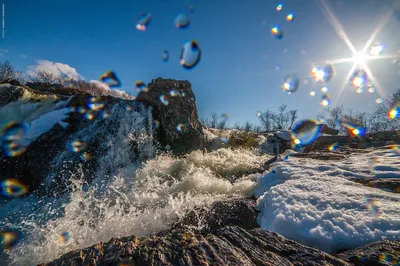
(238, 71)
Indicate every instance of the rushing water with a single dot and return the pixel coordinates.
(134, 191)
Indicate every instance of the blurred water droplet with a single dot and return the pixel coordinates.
(325, 100)
(291, 83)
(290, 17)
(190, 54)
(173, 93)
(141, 86)
(143, 21)
(183, 94)
(324, 89)
(110, 79)
(305, 131)
(8, 239)
(394, 112)
(379, 100)
(12, 188)
(179, 128)
(376, 49)
(371, 89)
(351, 126)
(11, 136)
(278, 68)
(181, 21)
(163, 99)
(305, 82)
(359, 79)
(324, 74)
(333, 147)
(165, 55)
(77, 146)
(312, 93)
(277, 32)
(373, 206)
(359, 90)
(63, 237)
(258, 114)
(191, 7)
(85, 156)
(279, 7)
(156, 124)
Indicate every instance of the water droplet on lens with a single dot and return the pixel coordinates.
(306, 131)
(379, 100)
(279, 7)
(359, 79)
(156, 124)
(85, 156)
(325, 100)
(110, 78)
(359, 90)
(165, 55)
(163, 99)
(8, 239)
(12, 134)
(179, 128)
(324, 74)
(181, 21)
(12, 188)
(312, 93)
(373, 206)
(190, 54)
(173, 93)
(290, 17)
(63, 237)
(143, 21)
(376, 49)
(141, 86)
(324, 89)
(291, 83)
(277, 32)
(78, 146)
(258, 114)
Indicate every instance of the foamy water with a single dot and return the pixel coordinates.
(140, 199)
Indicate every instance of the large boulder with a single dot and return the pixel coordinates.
(10, 93)
(229, 245)
(174, 111)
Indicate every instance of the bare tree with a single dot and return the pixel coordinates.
(282, 119)
(7, 71)
(45, 77)
(247, 127)
(214, 120)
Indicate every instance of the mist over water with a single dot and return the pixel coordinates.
(135, 191)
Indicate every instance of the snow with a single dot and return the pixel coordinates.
(315, 203)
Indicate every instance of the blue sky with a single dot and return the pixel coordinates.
(237, 73)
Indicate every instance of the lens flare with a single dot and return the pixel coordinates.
(379, 100)
(291, 83)
(312, 93)
(277, 32)
(78, 146)
(351, 126)
(324, 74)
(63, 237)
(373, 206)
(394, 112)
(11, 135)
(143, 21)
(376, 49)
(279, 7)
(190, 54)
(85, 156)
(359, 79)
(305, 131)
(333, 147)
(12, 188)
(326, 100)
(324, 89)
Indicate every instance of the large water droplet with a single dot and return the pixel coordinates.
(359, 79)
(376, 49)
(190, 54)
(291, 83)
(279, 7)
(8, 239)
(141, 86)
(182, 21)
(163, 99)
(290, 17)
(12, 188)
(326, 100)
(324, 74)
(143, 21)
(165, 55)
(306, 131)
(277, 32)
(11, 135)
(110, 78)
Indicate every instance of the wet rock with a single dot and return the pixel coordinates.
(11, 81)
(378, 253)
(236, 212)
(387, 184)
(174, 108)
(10, 93)
(230, 245)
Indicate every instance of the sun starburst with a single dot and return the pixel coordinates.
(359, 59)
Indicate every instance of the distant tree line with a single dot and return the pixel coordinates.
(7, 71)
(284, 119)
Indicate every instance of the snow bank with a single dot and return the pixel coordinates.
(315, 204)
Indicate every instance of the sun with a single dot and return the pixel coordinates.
(359, 58)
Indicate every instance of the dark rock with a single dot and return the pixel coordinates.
(236, 212)
(327, 130)
(227, 246)
(180, 111)
(12, 81)
(55, 89)
(388, 184)
(321, 155)
(10, 93)
(378, 253)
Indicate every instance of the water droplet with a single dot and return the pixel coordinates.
(165, 55)
(11, 135)
(179, 128)
(191, 7)
(156, 124)
(324, 89)
(306, 131)
(394, 112)
(163, 99)
(105, 114)
(85, 156)
(325, 100)
(351, 126)
(190, 54)
(279, 7)
(291, 83)
(181, 21)
(359, 90)
(110, 79)
(143, 21)
(141, 86)
(379, 100)
(8, 239)
(12, 188)
(95, 104)
(77, 146)
(333, 147)
(183, 93)
(173, 93)
(305, 82)
(324, 74)
(258, 114)
(277, 32)
(290, 17)
(63, 237)
(359, 79)
(312, 93)
(371, 89)
(373, 206)
(376, 49)
(278, 68)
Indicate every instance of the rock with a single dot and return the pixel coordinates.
(55, 89)
(12, 81)
(388, 184)
(378, 253)
(236, 212)
(174, 109)
(321, 155)
(230, 245)
(327, 130)
(10, 93)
